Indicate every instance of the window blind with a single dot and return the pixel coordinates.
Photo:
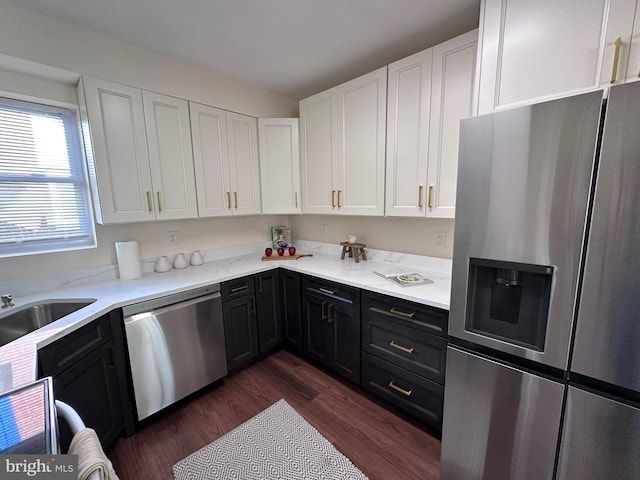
(44, 196)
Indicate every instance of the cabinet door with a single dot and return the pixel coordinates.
(633, 67)
(171, 156)
(291, 309)
(240, 331)
(532, 51)
(269, 310)
(116, 144)
(316, 337)
(362, 110)
(409, 101)
(453, 78)
(279, 165)
(211, 160)
(319, 152)
(91, 388)
(244, 168)
(344, 323)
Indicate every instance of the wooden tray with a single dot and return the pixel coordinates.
(275, 256)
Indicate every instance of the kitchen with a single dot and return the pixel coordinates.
(74, 50)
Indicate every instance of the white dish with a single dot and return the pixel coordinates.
(411, 278)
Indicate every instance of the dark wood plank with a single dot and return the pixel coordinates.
(379, 441)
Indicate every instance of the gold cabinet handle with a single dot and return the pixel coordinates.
(429, 196)
(400, 347)
(420, 196)
(150, 202)
(296, 196)
(329, 319)
(160, 202)
(229, 200)
(239, 289)
(324, 317)
(235, 199)
(339, 192)
(616, 58)
(401, 313)
(333, 198)
(406, 393)
(325, 290)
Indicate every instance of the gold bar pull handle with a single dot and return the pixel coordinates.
(333, 199)
(238, 289)
(400, 347)
(420, 196)
(395, 311)
(616, 58)
(406, 393)
(150, 202)
(235, 199)
(339, 193)
(229, 200)
(429, 196)
(329, 319)
(326, 290)
(296, 195)
(160, 202)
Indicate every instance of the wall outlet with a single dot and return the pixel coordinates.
(441, 239)
(324, 229)
(173, 238)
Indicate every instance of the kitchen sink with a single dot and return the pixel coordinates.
(33, 317)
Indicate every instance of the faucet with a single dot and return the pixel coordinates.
(6, 301)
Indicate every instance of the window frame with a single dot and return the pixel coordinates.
(70, 115)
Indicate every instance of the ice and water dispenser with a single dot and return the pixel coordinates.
(509, 301)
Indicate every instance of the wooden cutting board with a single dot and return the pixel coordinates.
(275, 256)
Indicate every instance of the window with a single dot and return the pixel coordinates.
(44, 195)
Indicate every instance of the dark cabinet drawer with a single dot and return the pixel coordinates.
(332, 290)
(237, 288)
(408, 391)
(71, 348)
(405, 346)
(429, 319)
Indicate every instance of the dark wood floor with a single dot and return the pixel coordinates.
(380, 443)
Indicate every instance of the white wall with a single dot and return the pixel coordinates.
(408, 235)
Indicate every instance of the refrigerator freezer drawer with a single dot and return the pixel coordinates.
(600, 439)
(499, 423)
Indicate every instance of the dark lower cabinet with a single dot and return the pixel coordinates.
(291, 309)
(89, 373)
(331, 316)
(269, 310)
(404, 348)
(240, 331)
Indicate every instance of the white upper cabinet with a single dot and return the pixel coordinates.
(633, 67)
(279, 165)
(244, 166)
(342, 141)
(319, 152)
(533, 51)
(362, 110)
(429, 93)
(128, 183)
(170, 156)
(226, 162)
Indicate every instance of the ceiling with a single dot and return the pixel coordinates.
(291, 47)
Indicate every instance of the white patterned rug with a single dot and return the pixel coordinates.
(275, 444)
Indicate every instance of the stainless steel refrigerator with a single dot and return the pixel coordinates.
(543, 366)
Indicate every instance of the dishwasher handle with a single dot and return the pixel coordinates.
(130, 316)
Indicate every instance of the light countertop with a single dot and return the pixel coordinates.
(18, 359)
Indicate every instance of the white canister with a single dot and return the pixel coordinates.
(180, 261)
(129, 260)
(162, 265)
(196, 258)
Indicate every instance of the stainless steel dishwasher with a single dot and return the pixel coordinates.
(176, 346)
